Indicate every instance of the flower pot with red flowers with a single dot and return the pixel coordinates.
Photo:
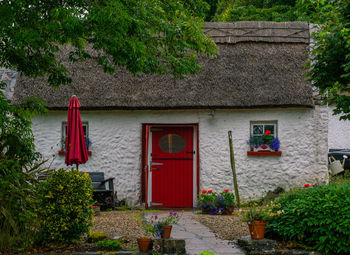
(256, 219)
(225, 201)
(266, 142)
(206, 202)
(216, 203)
(228, 211)
(96, 210)
(144, 243)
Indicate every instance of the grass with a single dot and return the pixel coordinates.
(340, 179)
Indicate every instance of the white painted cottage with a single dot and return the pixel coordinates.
(165, 139)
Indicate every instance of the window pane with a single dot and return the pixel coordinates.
(271, 128)
(258, 129)
(172, 143)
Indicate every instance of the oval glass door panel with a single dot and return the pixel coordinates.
(172, 143)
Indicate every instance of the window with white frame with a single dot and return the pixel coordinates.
(259, 128)
(64, 135)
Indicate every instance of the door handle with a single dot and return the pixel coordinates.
(156, 164)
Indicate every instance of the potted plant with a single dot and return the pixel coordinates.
(256, 219)
(96, 210)
(225, 201)
(144, 243)
(266, 142)
(161, 228)
(206, 202)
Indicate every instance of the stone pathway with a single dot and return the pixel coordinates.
(198, 237)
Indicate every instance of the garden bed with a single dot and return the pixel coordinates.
(120, 223)
(124, 224)
(227, 227)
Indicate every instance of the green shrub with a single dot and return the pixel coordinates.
(18, 218)
(206, 252)
(109, 244)
(19, 165)
(316, 217)
(65, 206)
(96, 236)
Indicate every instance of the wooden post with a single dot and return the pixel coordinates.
(233, 167)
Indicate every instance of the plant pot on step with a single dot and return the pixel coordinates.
(144, 243)
(257, 229)
(228, 210)
(166, 231)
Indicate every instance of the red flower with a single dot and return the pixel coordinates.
(226, 190)
(307, 185)
(204, 191)
(210, 191)
(264, 147)
(267, 132)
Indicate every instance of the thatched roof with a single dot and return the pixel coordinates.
(259, 64)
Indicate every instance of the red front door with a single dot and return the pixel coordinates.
(172, 166)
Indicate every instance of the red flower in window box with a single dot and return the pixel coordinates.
(267, 132)
(210, 191)
(226, 190)
(204, 191)
(264, 147)
(307, 185)
(61, 153)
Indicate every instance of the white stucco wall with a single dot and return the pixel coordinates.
(116, 147)
(339, 131)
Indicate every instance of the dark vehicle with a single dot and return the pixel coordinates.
(338, 155)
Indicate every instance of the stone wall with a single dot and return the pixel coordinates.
(116, 147)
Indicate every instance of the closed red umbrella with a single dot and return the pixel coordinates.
(76, 152)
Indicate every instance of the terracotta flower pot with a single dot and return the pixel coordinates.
(166, 232)
(205, 210)
(228, 211)
(144, 243)
(257, 229)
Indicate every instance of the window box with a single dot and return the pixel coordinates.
(263, 136)
(264, 153)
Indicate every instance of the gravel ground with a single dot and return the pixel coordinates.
(227, 227)
(127, 225)
(120, 223)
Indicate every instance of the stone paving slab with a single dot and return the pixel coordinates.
(198, 237)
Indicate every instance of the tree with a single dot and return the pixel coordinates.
(150, 36)
(19, 165)
(267, 10)
(330, 57)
